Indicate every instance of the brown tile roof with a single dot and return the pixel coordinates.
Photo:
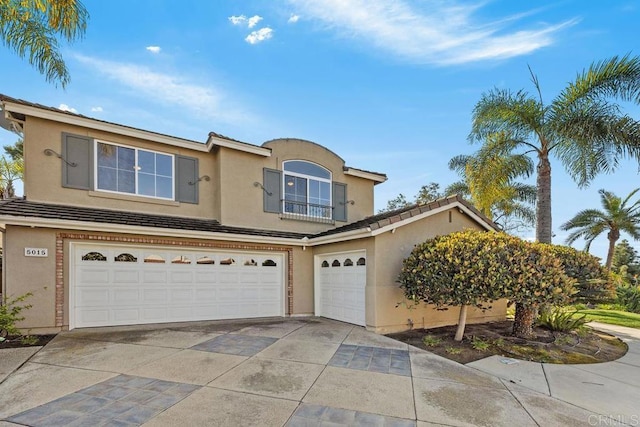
(387, 218)
(28, 209)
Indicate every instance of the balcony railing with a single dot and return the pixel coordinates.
(307, 212)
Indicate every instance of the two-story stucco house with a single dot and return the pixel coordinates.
(123, 226)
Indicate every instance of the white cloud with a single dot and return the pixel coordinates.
(205, 100)
(259, 36)
(153, 49)
(438, 32)
(237, 20)
(65, 107)
(97, 109)
(253, 21)
(293, 19)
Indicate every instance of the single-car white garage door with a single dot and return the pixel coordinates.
(127, 285)
(340, 286)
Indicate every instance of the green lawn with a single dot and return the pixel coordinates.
(613, 317)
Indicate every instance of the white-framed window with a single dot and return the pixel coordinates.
(122, 169)
(307, 189)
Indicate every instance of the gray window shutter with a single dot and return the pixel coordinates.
(77, 162)
(187, 179)
(272, 193)
(339, 201)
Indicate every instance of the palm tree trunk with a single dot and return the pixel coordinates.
(613, 236)
(523, 321)
(543, 204)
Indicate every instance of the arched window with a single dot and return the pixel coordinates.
(325, 264)
(307, 189)
(125, 257)
(94, 256)
(348, 262)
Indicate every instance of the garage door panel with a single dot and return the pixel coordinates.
(124, 296)
(149, 276)
(342, 287)
(154, 285)
(126, 276)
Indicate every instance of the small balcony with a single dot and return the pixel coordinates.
(302, 211)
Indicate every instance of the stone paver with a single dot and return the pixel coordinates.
(309, 414)
(383, 360)
(240, 345)
(120, 400)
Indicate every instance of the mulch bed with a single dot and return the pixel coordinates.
(586, 346)
(18, 342)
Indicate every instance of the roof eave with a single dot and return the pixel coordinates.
(375, 177)
(26, 221)
(88, 122)
(235, 145)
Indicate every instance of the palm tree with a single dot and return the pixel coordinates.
(617, 216)
(32, 28)
(582, 127)
(10, 170)
(489, 181)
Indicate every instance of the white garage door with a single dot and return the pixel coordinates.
(126, 285)
(341, 279)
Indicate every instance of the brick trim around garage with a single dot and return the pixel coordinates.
(61, 237)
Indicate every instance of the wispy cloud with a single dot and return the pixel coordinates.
(205, 100)
(259, 36)
(153, 49)
(96, 109)
(243, 20)
(65, 107)
(438, 32)
(293, 18)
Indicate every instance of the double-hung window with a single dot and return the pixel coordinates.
(123, 169)
(307, 189)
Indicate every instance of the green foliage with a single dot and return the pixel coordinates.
(426, 194)
(629, 298)
(474, 267)
(453, 350)
(10, 314)
(560, 320)
(480, 344)
(33, 29)
(431, 341)
(594, 284)
(625, 262)
(29, 340)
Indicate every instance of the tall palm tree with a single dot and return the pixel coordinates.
(616, 215)
(489, 181)
(582, 127)
(32, 28)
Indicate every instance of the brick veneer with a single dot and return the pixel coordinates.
(61, 237)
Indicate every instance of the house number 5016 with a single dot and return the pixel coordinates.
(41, 252)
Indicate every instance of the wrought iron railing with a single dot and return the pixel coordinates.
(307, 211)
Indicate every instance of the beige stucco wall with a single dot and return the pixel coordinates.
(43, 174)
(241, 202)
(32, 274)
(302, 282)
(391, 250)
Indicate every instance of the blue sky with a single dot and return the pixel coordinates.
(388, 85)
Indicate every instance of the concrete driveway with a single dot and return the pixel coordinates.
(292, 372)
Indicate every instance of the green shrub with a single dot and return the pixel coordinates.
(431, 341)
(10, 314)
(629, 298)
(560, 320)
(594, 284)
(453, 350)
(472, 268)
(480, 344)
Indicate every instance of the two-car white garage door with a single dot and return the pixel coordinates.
(125, 285)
